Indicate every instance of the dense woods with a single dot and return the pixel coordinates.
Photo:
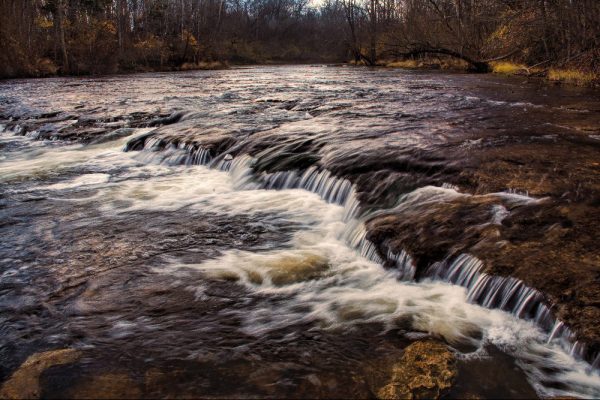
(47, 37)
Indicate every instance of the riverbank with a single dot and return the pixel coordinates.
(553, 75)
(567, 76)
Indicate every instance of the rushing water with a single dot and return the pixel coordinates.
(217, 254)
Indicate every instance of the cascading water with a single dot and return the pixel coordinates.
(505, 293)
(322, 182)
(344, 281)
(190, 265)
(508, 294)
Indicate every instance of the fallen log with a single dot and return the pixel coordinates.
(474, 65)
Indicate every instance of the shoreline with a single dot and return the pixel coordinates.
(555, 76)
(551, 76)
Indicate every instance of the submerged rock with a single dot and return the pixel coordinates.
(426, 370)
(296, 269)
(118, 134)
(25, 381)
(106, 386)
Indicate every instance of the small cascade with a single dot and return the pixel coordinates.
(404, 263)
(198, 155)
(463, 271)
(447, 185)
(596, 364)
(281, 180)
(511, 295)
(330, 188)
(561, 333)
(242, 173)
(505, 293)
(161, 151)
(524, 193)
(322, 182)
(356, 236)
(544, 318)
(170, 156)
(352, 206)
(153, 144)
(222, 163)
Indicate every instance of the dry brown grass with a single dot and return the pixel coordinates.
(572, 76)
(569, 76)
(508, 68)
(410, 64)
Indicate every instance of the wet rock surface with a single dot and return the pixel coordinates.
(548, 243)
(83, 265)
(106, 386)
(25, 381)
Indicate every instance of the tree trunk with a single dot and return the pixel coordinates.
(475, 65)
(120, 25)
(546, 30)
(60, 10)
(373, 52)
(349, 8)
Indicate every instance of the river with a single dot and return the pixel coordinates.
(282, 231)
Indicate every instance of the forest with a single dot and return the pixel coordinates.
(77, 37)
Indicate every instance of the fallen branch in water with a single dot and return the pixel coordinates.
(476, 65)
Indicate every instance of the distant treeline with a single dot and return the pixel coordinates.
(47, 37)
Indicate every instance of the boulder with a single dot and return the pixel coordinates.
(426, 370)
(25, 381)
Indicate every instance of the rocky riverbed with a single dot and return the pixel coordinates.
(292, 228)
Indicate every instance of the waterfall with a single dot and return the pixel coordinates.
(355, 235)
(351, 207)
(162, 151)
(511, 295)
(504, 293)
(447, 185)
(198, 155)
(322, 182)
(404, 263)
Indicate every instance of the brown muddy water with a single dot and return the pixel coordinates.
(288, 231)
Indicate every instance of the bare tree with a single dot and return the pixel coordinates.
(89, 36)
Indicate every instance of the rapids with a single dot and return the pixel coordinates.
(264, 231)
